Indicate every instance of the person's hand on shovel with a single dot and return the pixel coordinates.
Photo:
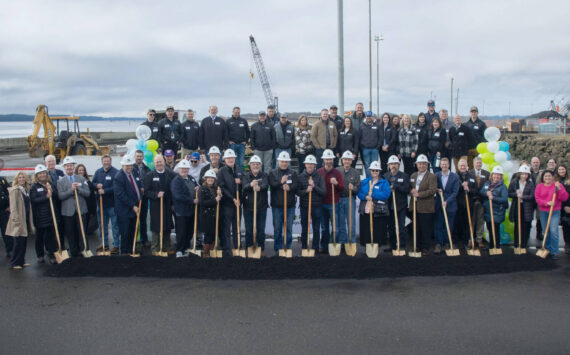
(75, 186)
(466, 186)
(238, 181)
(490, 195)
(519, 193)
(286, 187)
(196, 194)
(160, 194)
(284, 179)
(236, 202)
(414, 193)
(334, 181)
(136, 209)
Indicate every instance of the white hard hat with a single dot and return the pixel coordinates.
(393, 160)
(69, 160)
(347, 155)
(40, 168)
(422, 159)
(214, 150)
(127, 160)
(229, 153)
(497, 170)
(284, 156)
(522, 169)
(310, 159)
(375, 165)
(255, 159)
(328, 154)
(210, 173)
(184, 164)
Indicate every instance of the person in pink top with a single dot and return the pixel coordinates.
(543, 195)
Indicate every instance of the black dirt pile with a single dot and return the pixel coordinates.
(322, 267)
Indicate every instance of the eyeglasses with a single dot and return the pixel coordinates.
(151, 114)
(193, 161)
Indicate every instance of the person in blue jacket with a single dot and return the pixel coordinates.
(103, 183)
(127, 189)
(448, 184)
(184, 198)
(373, 194)
(495, 192)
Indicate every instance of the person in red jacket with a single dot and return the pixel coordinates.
(333, 179)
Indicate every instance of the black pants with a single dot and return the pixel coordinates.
(8, 240)
(566, 234)
(142, 220)
(229, 227)
(384, 160)
(460, 226)
(19, 251)
(127, 227)
(379, 225)
(184, 232)
(408, 165)
(525, 233)
(45, 240)
(73, 234)
(316, 215)
(497, 234)
(424, 230)
(401, 228)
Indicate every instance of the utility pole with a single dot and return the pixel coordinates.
(457, 101)
(509, 109)
(377, 40)
(370, 51)
(340, 59)
(451, 106)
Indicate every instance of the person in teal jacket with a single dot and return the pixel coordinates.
(495, 191)
(374, 200)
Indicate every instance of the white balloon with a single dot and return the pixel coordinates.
(143, 132)
(492, 147)
(507, 166)
(500, 157)
(492, 134)
(131, 144)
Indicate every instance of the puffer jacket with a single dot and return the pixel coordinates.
(500, 202)
(40, 205)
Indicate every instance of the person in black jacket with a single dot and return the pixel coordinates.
(284, 137)
(437, 137)
(156, 185)
(209, 195)
(40, 192)
(389, 141)
(5, 215)
(139, 171)
(477, 128)
(467, 185)
(370, 141)
(422, 128)
(522, 187)
(460, 137)
(215, 163)
(263, 141)
(348, 139)
(55, 174)
(256, 180)
(282, 179)
(169, 131)
(190, 135)
(400, 186)
(152, 124)
(184, 189)
(213, 131)
(229, 180)
(238, 135)
(334, 117)
(127, 190)
(310, 180)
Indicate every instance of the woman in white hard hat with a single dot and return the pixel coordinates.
(495, 192)
(373, 194)
(209, 195)
(41, 191)
(522, 188)
(20, 223)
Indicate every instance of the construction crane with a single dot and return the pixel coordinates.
(271, 100)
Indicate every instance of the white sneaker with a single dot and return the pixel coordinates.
(179, 254)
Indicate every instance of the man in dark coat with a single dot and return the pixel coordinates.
(229, 180)
(477, 127)
(184, 198)
(468, 185)
(461, 140)
(400, 185)
(103, 182)
(139, 171)
(213, 131)
(157, 185)
(169, 131)
(127, 190)
(152, 124)
(256, 180)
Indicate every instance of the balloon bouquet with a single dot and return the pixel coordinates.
(496, 153)
(142, 143)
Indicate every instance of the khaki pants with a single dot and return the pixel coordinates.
(184, 152)
(165, 241)
(478, 220)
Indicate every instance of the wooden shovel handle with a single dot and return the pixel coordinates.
(415, 222)
(136, 227)
(254, 217)
(469, 218)
(548, 222)
(55, 225)
(446, 220)
(285, 219)
(161, 222)
(396, 225)
(519, 220)
(492, 223)
(237, 220)
(195, 223)
(371, 213)
(80, 221)
(333, 216)
(349, 215)
(102, 223)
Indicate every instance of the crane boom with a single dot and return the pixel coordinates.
(262, 74)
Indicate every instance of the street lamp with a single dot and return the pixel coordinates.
(377, 39)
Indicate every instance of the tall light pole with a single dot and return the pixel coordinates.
(370, 51)
(340, 59)
(451, 103)
(377, 39)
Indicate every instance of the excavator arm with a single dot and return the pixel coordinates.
(38, 147)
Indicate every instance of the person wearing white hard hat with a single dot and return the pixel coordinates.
(255, 181)
(310, 181)
(20, 224)
(229, 180)
(127, 190)
(214, 156)
(423, 186)
(209, 195)
(522, 188)
(448, 184)
(478, 212)
(399, 186)
(66, 188)
(157, 189)
(183, 189)
(103, 182)
(41, 191)
(351, 179)
(494, 191)
(374, 197)
(467, 186)
(282, 179)
(333, 180)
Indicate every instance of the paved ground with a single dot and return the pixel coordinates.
(511, 313)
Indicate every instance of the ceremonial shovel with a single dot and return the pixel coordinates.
(287, 253)
(543, 252)
(238, 252)
(371, 248)
(334, 248)
(349, 247)
(397, 252)
(60, 255)
(472, 251)
(194, 250)
(215, 253)
(134, 254)
(309, 252)
(160, 252)
(495, 250)
(254, 251)
(519, 250)
(451, 251)
(102, 252)
(414, 253)
(85, 252)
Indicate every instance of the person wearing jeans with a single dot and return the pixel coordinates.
(351, 179)
(370, 141)
(103, 181)
(255, 181)
(333, 180)
(263, 141)
(238, 133)
(448, 184)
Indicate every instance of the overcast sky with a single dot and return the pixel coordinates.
(119, 58)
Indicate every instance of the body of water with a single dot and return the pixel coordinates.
(24, 128)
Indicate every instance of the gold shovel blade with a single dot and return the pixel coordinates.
(473, 252)
(195, 252)
(135, 255)
(334, 249)
(61, 256)
(215, 253)
(372, 250)
(254, 252)
(286, 253)
(238, 252)
(543, 253)
(452, 252)
(163, 254)
(415, 254)
(495, 251)
(87, 253)
(308, 253)
(520, 251)
(397, 252)
(350, 249)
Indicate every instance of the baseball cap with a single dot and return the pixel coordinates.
(431, 103)
(333, 107)
(168, 153)
(473, 108)
(262, 113)
(195, 156)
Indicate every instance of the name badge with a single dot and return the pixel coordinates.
(167, 125)
(377, 187)
(475, 127)
(241, 124)
(187, 127)
(217, 123)
(418, 130)
(267, 127)
(412, 180)
(330, 127)
(155, 179)
(137, 178)
(471, 180)
(289, 181)
(288, 131)
(374, 127)
(461, 134)
(85, 183)
(410, 132)
(108, 178)
(400, 180)
(436, 134)
(381, 202)
(486, 187)
(155, 129)
(40, 189)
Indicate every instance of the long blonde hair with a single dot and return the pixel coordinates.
(26, 183)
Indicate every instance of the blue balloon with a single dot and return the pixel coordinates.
(141, 145)
(148, 156)
(504, 146)
(508, 156)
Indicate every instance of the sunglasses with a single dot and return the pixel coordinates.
(193, 161)
(151, 114)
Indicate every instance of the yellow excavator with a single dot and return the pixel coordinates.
(61, 142)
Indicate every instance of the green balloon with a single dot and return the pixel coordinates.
(488, 158)
(482, 148)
